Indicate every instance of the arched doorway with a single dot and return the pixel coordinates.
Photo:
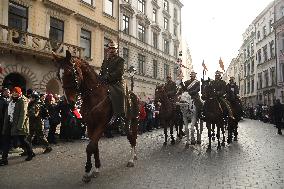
(14, 80)
(52, 86)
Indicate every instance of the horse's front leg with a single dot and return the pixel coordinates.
(88, 167)
(165, 134)
(172, 132)
(199, 131)
(192, 128)
(186, 131)
(208, 125)
(132, 136)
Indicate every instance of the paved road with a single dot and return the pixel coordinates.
(256, 161)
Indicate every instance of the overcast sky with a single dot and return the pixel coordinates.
(214, 28)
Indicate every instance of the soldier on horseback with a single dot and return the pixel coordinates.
(192, 86)
(232, 90)
(171, 89)
(111, 73)
(219, 87)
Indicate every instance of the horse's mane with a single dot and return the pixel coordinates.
(85, 65)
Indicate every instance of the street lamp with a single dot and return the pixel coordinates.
(131, 72)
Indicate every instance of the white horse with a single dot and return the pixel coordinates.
(189, 113)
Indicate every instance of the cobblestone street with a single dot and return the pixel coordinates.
(255, 161)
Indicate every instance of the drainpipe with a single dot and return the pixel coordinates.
(276, 57)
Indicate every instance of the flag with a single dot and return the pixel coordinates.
(221, 64)
(204, 66)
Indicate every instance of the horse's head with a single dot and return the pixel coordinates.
(206, 89)
(70, 75)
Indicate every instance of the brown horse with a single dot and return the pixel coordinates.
(79, 79)
(167, 112)
(213, 114)
(233, 123)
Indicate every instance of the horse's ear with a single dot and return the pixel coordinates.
(202, 80)
(209, 79)
(68, 56)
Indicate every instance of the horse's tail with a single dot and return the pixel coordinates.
(134, 105)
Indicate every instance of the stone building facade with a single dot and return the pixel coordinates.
(149, 40)
(30, 30)
(279, 32)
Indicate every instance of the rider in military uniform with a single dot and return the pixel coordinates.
(35, 122)
(170, 89)
(232, 90)
(192, 86)
(111, 73)
(219, 87)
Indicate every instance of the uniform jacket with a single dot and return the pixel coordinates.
(20, 123)
(171, 89)
(35, 121)
(192, 91)
(232, 91)
(219, 87)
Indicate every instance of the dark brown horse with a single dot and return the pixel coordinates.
(167, 112)
(233, 123)
(213, 114)
(79, 79)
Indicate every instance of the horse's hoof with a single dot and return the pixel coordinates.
(165, 144)
(229, 141)
(192, 142)
(223, 144)
(213, 138)
(187, 145)
(173, 141)
(236, 139)
(95, 174)
(86, 179)
(198, 142)
(135, 157)
(218, 147)
(208, 149)
(130, 164)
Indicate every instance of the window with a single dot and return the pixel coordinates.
(252, 85)
(154, 18)
(282, 41)
(18, 17)
(282, 11)
(125, 55)
(166, 5)
(272, 76)
(166, 46)
(141, 6)
(85, 42)
(175, 51)
(166, 21)
(155, 40)
(270, 25)
(282, 68)
(91, 2)
(175, 30)
(264, 31)
(258, 35)
(252, 48)
(248, 87)
(248, 52)
(56, 32)
(125, 24)
(175, 72)
(265, 53)
(141, 33)
(259, 56)
(259, 80)
(141, 63)
(175, 14)
(248, 69)
(109, 7)
(166, 70)
(155, 68)
(271, 44)
(106, 42)
(266, 78)
(252, 66)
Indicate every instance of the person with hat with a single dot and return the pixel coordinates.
(192, 86)
(219, 87)
(232, 90)
(170, 89)
(111, 73)
(16, 125)
(36, 123)
(4, 102)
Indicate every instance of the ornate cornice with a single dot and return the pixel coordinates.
(178, 3)
(58, 7)
(167, 14)
(110, 30)
(167, 34)
(156, 28)
(25, 3)
(155, 4)
(86, 19)
(176, 42)
(127, 8)
(143, 19)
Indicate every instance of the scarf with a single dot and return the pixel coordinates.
(11, 108)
